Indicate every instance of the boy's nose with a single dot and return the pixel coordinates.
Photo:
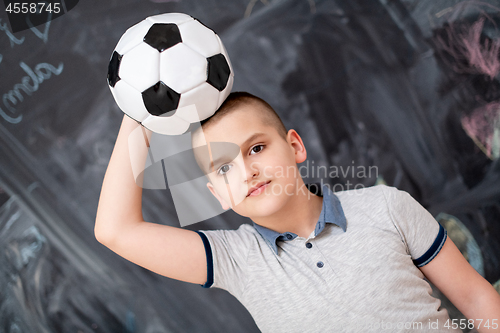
(252, 172)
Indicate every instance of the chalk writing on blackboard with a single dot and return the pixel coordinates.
(41, 72)
(13, 40)
(42, 35)
(29, 83)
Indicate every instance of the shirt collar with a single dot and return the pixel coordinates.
(331, 212)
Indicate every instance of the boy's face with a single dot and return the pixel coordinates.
(263, 176)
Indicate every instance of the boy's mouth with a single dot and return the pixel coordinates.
(258, 189)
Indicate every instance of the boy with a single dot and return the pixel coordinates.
(353, 261)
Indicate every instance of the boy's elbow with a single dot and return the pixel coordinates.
(108, 230)
(101, 235)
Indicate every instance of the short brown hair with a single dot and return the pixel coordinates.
(239, 98)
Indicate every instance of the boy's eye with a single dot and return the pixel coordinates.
(256, 149)
(223, 169)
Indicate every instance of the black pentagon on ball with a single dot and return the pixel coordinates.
(161, 36)
(113, 67)
(218, 71)
(160, 99)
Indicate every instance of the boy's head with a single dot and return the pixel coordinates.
(237, 100)
(252, 160)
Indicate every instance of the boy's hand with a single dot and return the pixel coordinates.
(465, 288)
(173, 252)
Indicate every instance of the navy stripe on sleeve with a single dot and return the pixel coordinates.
(433, 250)
(210, 263)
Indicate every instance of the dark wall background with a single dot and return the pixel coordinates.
(366, 83)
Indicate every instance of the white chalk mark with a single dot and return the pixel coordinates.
(45, 35)
(13, 40)
(250, 5)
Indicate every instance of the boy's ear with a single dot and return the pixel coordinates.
(295, 141)
(222, 202)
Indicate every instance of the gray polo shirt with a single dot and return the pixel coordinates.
(356, 272)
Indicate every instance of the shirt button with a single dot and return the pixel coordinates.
(289, 236)
(309, 245)
(319, 264)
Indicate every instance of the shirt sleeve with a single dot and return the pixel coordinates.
(422, 234)
(226, 252)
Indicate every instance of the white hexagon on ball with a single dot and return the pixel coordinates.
(199, 38)
(182, 69)
(131, 100)
(139, 67)
(205, 97)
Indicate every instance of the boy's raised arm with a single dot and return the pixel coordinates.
(173, 252)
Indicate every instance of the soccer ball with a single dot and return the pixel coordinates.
(169, 71)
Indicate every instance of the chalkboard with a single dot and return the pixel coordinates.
(365, 83)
